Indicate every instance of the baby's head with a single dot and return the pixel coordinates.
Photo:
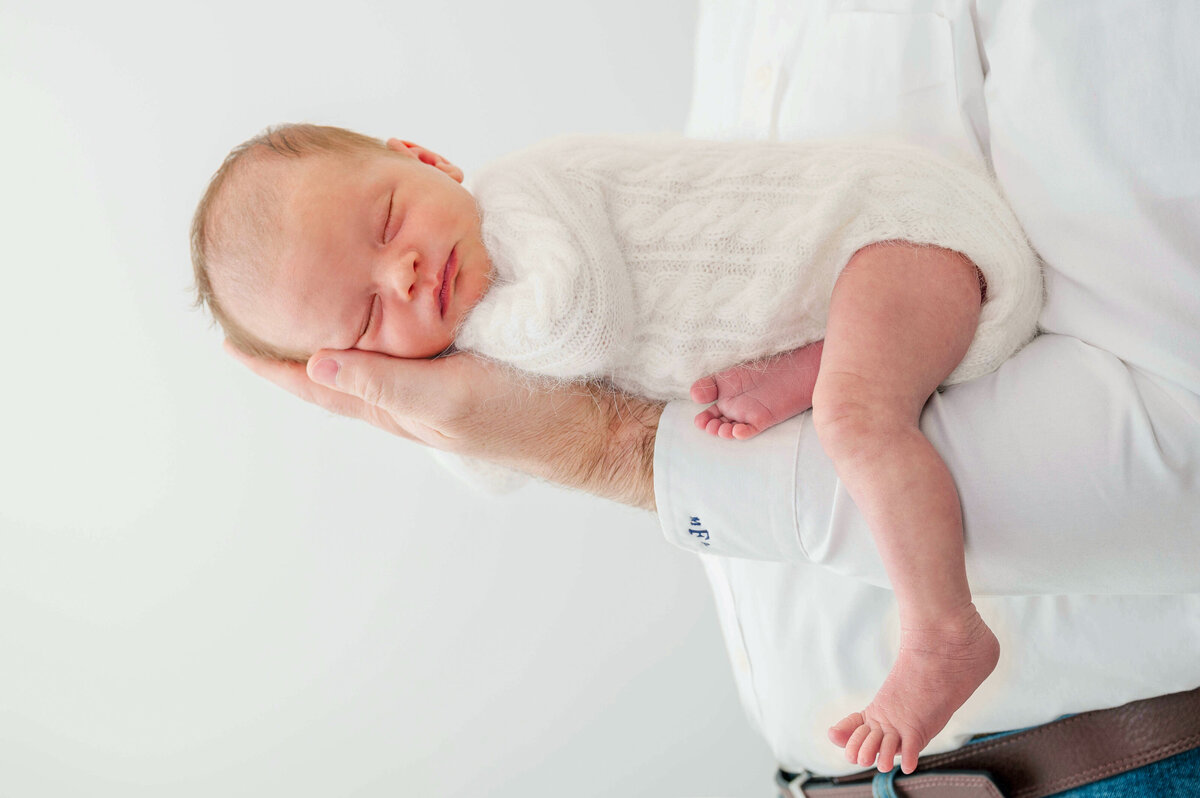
(313, 237)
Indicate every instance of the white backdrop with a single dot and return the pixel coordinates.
(209, 588)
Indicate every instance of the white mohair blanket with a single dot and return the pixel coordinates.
(651, 261)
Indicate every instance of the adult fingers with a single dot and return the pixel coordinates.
(374, 379)
(293, 378)
(423, 396)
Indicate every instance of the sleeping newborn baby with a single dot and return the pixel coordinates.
(852, 277)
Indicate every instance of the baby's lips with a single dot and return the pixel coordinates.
(448, 272)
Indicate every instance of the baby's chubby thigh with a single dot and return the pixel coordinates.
(901, 318)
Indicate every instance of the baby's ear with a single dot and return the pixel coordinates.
(397, 145)
(426, 156)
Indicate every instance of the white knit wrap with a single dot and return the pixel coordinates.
(655, 260)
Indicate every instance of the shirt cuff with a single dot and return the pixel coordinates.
(728, 497)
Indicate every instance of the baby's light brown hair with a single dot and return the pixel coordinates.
(233, 219)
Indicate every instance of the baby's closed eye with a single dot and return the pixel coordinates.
(387, 220)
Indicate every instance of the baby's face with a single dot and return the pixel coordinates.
(381, 253)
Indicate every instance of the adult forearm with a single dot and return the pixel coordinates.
(1075, 472)
(583, 436)
(594, 439)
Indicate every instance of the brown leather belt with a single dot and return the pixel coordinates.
(1036, 762)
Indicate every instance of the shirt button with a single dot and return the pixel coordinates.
(762, 76)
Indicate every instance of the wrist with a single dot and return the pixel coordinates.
(595, 439)
(586, 436)
(623, 464)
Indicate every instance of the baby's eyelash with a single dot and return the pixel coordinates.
(387, 219)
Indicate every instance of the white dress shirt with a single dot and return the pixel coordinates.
(1078, 461)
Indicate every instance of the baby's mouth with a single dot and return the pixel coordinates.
(447, 275)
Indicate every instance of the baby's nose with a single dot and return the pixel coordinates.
(404, 276)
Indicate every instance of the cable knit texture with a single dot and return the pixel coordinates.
(652, 261)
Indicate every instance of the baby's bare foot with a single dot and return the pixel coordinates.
(756, 396)
(935, 672)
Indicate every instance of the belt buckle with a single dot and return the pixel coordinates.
(967, 783)
(793, 787)
(882, 785)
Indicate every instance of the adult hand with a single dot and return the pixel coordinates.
(428, 401)
(578, 435)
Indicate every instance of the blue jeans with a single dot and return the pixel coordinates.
(1176, 777)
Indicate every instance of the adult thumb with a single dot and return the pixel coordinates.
(379, 380)
(324, 370)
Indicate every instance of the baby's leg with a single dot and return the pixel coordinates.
(754, 396)
(900, 320)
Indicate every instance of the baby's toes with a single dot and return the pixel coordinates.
(840, 732)
(704, 390)
(715, 425)
(909, 751)
(887, 751)
(707, 415)
(855, 742)
(870, 747)
(742, 431)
